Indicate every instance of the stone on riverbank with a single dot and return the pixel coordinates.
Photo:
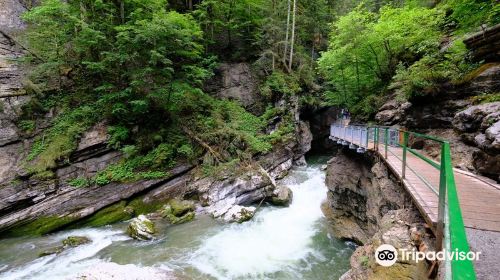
(178, 211)
(239, 214)
(141, 228)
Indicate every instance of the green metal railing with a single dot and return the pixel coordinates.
(450, 230)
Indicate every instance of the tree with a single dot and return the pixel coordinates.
(292, 41)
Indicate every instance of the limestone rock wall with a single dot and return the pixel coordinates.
(367, 205)
(360, 192)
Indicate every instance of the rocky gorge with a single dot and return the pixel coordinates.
(196, 219)
(366, 204)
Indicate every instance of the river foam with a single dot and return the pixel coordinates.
(276, 240)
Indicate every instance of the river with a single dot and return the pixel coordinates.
(278, 243)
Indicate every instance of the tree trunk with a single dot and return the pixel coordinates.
(122, 11)
(357, 74)
(285, 53)
(293, 34)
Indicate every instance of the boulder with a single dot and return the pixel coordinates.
(222, 194)
(470, 119)
(282, 196)
(392, 111)
(493, 135)
(74, 241)
(178, 212)
(141, 228)
(180, 207)
(239, 214)
(71, 241)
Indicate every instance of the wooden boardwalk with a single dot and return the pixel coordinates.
(479, 198)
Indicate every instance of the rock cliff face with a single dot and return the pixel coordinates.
(236, 81)
(360, 193)
(35, 206)
(365, 204)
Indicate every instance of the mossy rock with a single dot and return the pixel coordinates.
(51, 251)
(40, 226)
(141, 207)
(112, 214)
(141, 228)
(181, 207)
(71, 241)
(167, 213)
(74, 241)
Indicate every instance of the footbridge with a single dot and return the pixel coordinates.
(449, 199)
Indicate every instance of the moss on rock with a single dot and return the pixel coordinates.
(141, 207)
(74, 241)
(40, 226)
(115, 213)
(71, 241)
(181, 207)
(168, 213)
(141, 228)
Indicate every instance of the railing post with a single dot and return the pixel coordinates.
(405, 144)
(367, 136)
(375, 138)
(361, 136)
(386, 140)
(442, 200)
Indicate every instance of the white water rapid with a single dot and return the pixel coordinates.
(278, 243)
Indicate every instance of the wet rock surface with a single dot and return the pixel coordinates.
(239, 214)
(141, 228)
(178, 211)
(282, 196)
(360, 193)
(71, 241)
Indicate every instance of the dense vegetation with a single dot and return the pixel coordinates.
(142, 65)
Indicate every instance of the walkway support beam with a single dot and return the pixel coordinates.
(405, 145)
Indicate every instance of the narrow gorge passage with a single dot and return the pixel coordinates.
(278, 243)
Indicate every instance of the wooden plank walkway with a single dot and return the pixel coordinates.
(479, 198)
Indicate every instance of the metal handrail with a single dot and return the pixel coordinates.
(450, 228)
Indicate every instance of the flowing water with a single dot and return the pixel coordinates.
(278, 243)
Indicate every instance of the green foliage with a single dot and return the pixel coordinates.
(469, 15)
(57, 142)
(230, 23)
(280, 83)
(364, 261)
(424, 76)
(27, 125)
(80, 182)
(486, 98)
(365, 49)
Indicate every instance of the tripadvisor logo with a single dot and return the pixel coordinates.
(387, 255)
